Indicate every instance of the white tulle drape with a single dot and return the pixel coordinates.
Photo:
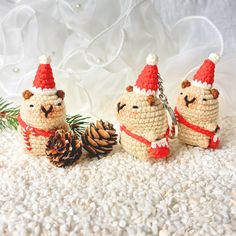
(99, 47)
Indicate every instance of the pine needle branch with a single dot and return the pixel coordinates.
(8, 115)
(77, 123)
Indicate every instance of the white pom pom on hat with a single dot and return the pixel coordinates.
(44, 59)
(214, 57)
(152, 59)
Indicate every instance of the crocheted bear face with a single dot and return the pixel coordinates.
(43, 111)
(196, 103)
(138, 111)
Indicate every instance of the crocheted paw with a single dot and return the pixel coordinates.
(160, 152)
(159, 149)
(214, 142)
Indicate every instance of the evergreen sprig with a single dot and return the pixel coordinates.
(8, 115)
(8, 118)
(77, 123)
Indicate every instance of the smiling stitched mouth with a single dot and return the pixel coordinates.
(120, 107)
(188, 101)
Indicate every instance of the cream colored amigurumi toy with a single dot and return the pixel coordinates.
(42, 111)
(198, 107)
(143, 119)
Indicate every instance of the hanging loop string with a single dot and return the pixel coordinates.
(213, 27)
(87, 55)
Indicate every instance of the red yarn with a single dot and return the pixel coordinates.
(148, 79)
(212, 144)
(135, 136)
(44, 77)
(28, 130)
(158, 152)
(38, 132)
(205, 72)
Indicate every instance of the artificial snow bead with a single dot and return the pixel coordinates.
(164, 232)
(122, 223)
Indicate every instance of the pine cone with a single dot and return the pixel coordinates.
(99, 139)
(63, 148)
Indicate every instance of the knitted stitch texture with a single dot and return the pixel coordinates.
(143, 119)
(198, 107)
(33, 114)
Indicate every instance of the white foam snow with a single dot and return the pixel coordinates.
(193, 192)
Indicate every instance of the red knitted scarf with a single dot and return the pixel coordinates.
(214, 141)
(156, 150)
(29, 130)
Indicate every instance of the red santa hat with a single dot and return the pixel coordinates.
(147, 82)
(204, 77)
(44, 80)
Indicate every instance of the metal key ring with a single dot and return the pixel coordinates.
(170, 111)
(174, 129)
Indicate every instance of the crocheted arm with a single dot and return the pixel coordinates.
(211, 127)
(154, 136)
(151, 136)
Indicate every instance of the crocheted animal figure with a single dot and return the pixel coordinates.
(42, 111)
(144, 126)
(197, 108)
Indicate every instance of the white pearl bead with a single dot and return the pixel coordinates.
(16, 69)
(77, 6)
(98, 60)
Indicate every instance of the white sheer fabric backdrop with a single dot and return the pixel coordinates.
(99, 47)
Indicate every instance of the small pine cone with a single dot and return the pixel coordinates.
(99, 139)
(63, 148)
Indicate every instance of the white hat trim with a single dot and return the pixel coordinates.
(144, 91)
(44, 91)
(201, 85)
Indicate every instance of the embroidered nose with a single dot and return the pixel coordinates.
(45, 111)
(187, 102)
(120, 107)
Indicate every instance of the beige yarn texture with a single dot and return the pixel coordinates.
(147, 121)
(33, 116)
(201, 113)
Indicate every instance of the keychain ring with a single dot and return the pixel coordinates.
(174, 127)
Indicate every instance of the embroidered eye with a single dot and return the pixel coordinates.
(31, 105)
(135, 107)
(181, 93)
(204, 99)
(59, 104)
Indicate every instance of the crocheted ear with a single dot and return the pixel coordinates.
(27, 94)
(215, 93)
(129, 88)
(151, 100)
(185, 84)
(60, 94)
